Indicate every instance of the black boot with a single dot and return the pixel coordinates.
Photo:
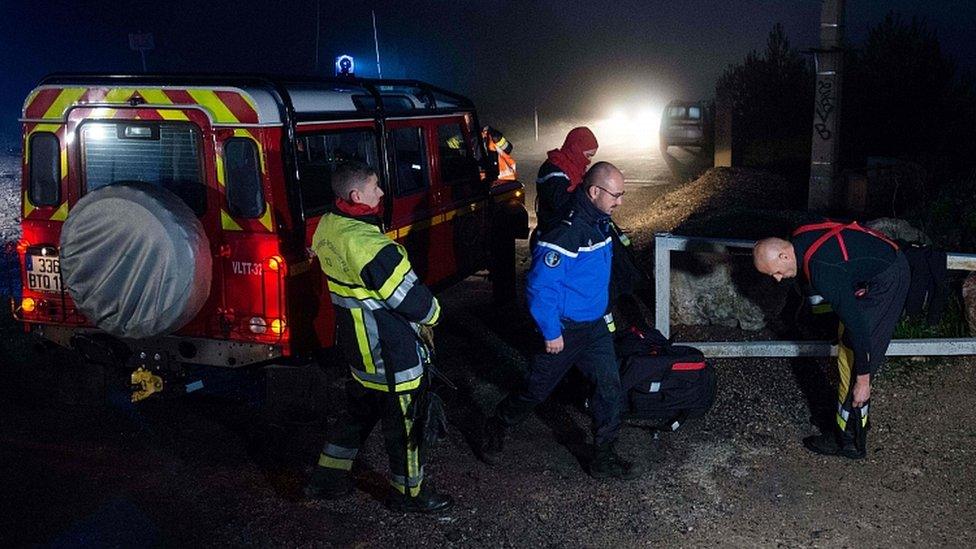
(837, 443)
(328, 483)
(607, 464)
(426, 501)
(491, 440)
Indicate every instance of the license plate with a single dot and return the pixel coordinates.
(43, 273)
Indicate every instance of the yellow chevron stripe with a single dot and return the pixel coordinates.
(219, 162)
(266, 218)
(227, 222)
(103, 112)
(28, 207)
(155, 96)
(209, 99)
(118, 95)
(62, 212)
(66, 98)
(173, 114)
(64, 161)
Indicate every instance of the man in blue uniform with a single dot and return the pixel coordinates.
(568, 298)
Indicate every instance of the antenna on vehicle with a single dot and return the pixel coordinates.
(376, 43)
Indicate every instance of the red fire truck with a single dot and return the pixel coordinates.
(167, 219)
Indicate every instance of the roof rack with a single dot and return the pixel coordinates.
(310, 97)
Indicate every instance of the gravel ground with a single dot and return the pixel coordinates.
(80, 468)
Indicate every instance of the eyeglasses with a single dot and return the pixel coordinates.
(616, 196)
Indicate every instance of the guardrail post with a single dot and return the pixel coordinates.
(662, 283)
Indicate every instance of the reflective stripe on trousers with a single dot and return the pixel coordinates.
(414, 469)
(337, 457)
(845, 365)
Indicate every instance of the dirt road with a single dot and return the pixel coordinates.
(79, 468)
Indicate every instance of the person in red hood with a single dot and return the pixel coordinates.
(561, 174)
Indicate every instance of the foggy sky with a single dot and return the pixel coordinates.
(568, 59)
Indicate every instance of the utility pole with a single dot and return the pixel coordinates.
(829, 61)
(376, 42)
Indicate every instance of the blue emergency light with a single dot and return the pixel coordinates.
(345, 66)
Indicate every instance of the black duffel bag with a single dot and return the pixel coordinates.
(665, 383)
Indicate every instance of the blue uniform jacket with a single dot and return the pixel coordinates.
(570, 273)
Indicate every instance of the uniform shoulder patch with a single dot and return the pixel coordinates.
(552, 258)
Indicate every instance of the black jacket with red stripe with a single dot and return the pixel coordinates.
(838, 280)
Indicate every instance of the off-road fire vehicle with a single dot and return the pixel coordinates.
(167, 219)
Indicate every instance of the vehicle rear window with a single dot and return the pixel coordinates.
(166, 155)
(45, 169)
(694, 113)
(408, 159)
(243, 178)
(456, 162)
(318, 155)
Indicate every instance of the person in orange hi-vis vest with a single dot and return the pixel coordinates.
(500, 150)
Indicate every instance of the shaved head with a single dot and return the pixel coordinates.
(775, 257)
(604, 185)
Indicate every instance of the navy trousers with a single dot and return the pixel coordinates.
(589, 347)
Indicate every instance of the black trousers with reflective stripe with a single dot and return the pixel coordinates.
(589, 347)
(364, 408)
(883, 306)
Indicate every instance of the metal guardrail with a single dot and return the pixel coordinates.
(665, 243)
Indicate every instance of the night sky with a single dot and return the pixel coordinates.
(570, 59)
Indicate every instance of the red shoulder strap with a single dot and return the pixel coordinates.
(832, 229)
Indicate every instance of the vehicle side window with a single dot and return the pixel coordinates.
(45, 169)
(456, 162)
(242, 169)
(409, 161)
(318, 155)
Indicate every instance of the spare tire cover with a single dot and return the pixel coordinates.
(135, 259)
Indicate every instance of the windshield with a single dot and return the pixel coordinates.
(166, 155)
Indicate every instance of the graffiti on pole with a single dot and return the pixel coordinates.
(823, 108)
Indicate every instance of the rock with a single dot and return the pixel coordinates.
(709, 289)
(969, 301)
(899, 229)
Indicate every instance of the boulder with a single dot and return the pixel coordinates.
(709, 287)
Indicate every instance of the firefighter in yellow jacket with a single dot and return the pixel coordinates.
(381, 308)
(500, 152)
